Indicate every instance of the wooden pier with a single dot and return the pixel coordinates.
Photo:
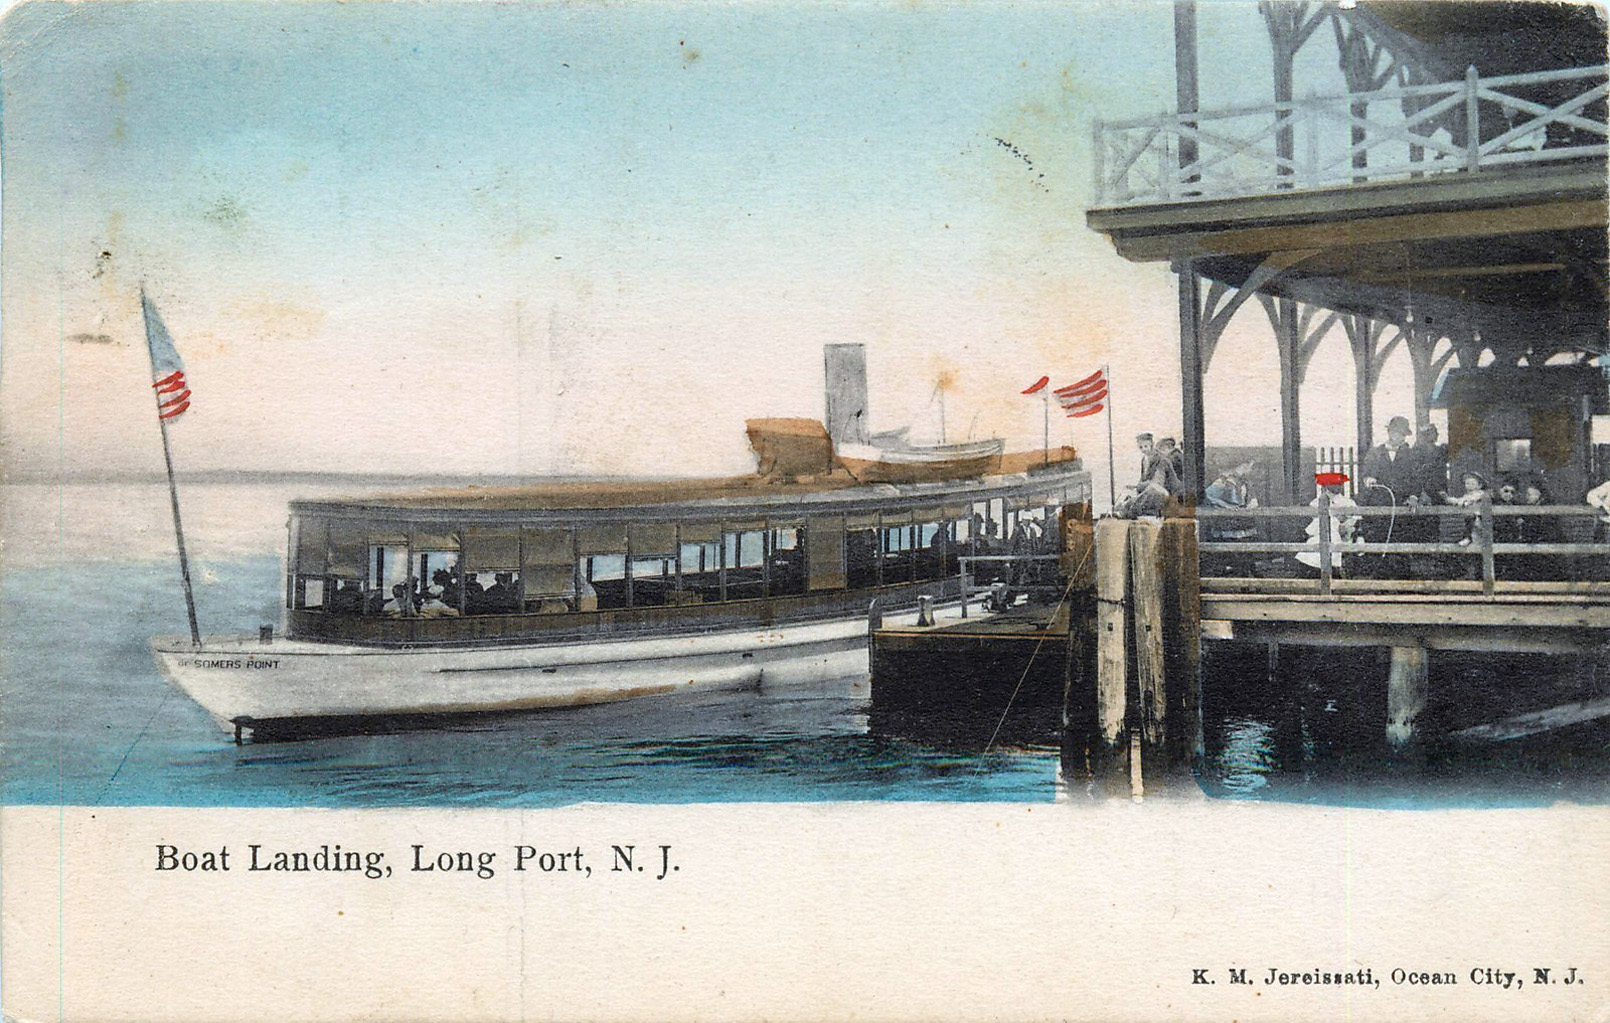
(1118, 662)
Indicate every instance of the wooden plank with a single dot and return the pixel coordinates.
(1432, 637)
(1520, 725)
(1503, 587)
(1147, 583)
(1482, 615)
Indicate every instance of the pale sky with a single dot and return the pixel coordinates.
(474, 238)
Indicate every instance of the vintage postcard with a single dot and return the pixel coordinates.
(773, 510)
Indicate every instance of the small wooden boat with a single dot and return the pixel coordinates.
(887, 460)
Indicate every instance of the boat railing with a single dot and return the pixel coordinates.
(1481, 558)
(971, 588)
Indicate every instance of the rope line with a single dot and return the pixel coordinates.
(1030, 665)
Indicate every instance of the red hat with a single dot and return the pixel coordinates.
(1330, 479)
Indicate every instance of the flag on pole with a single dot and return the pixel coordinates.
(1085, 398)
(1037, 386)
(167, 369)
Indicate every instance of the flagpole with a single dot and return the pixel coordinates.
(1112, 474)
(173, 488)
(1045, 401)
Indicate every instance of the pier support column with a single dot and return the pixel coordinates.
(1183, 625)
(1407, 687)
(1109, 744)
(1079, 680)
(1151, 668)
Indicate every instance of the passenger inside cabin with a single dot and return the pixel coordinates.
(348, 598)
(401, 604)
(503, 597)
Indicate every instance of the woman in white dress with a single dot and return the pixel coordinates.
(1343, 527)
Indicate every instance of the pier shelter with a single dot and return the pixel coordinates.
(1450, 200)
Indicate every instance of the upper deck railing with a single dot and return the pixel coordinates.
(1397, 132)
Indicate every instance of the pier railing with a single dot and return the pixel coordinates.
(1395, 132)
(1480, 560)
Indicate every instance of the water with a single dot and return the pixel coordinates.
(85, 717)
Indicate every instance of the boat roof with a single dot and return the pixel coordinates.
(750, 494)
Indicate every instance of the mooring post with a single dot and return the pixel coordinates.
(1146, 597)
(1407, 686)
(1184, 646)
(1109, 746)
(1079, 678)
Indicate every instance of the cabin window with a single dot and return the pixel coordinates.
(548, 571)
(603, 553)
(440, 588)
(310, 563)
(654, 560)
(861, 562)
(824, 554)
(701, 563)
(899, 550)
(932, 541)
(387, 569)
(492, 570)
(745, 553)
(785, 573)
(1512, 454)
(959, 519)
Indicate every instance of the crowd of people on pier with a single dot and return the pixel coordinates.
(1395, 474)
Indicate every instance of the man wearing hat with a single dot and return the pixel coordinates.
(1392, 479)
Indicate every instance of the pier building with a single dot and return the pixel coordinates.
(1450, 201)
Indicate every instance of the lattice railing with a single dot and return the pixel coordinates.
(1395, 132)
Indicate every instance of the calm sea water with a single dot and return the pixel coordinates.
(89, 574)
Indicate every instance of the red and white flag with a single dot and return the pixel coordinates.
(167, 369)
(1085, 398)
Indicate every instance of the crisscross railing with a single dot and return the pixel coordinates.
(1395, 132)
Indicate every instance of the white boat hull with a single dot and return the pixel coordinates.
(239, 679)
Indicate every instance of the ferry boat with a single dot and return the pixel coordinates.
(561, 594)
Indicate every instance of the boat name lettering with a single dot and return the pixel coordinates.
(249, 663)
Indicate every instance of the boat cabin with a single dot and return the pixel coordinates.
(479, 565)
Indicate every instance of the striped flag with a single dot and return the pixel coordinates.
(1085, 398)
(167, 369)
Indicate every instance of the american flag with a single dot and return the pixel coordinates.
(167, 369)
(1085, 398)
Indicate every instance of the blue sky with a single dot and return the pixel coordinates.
(589, 237)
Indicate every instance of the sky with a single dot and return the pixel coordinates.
(476, 238)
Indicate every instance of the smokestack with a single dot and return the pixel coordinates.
(846, 394)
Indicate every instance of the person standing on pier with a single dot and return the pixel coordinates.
(1392, 479)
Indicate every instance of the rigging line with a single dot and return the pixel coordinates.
(1027, 667)
(126, 753)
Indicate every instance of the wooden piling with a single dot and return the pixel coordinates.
(1183, 623)
(1079, 681)
(1148, 584)
(1407, 687)
(1109, 744)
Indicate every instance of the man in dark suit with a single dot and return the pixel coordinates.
(1392, 478)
